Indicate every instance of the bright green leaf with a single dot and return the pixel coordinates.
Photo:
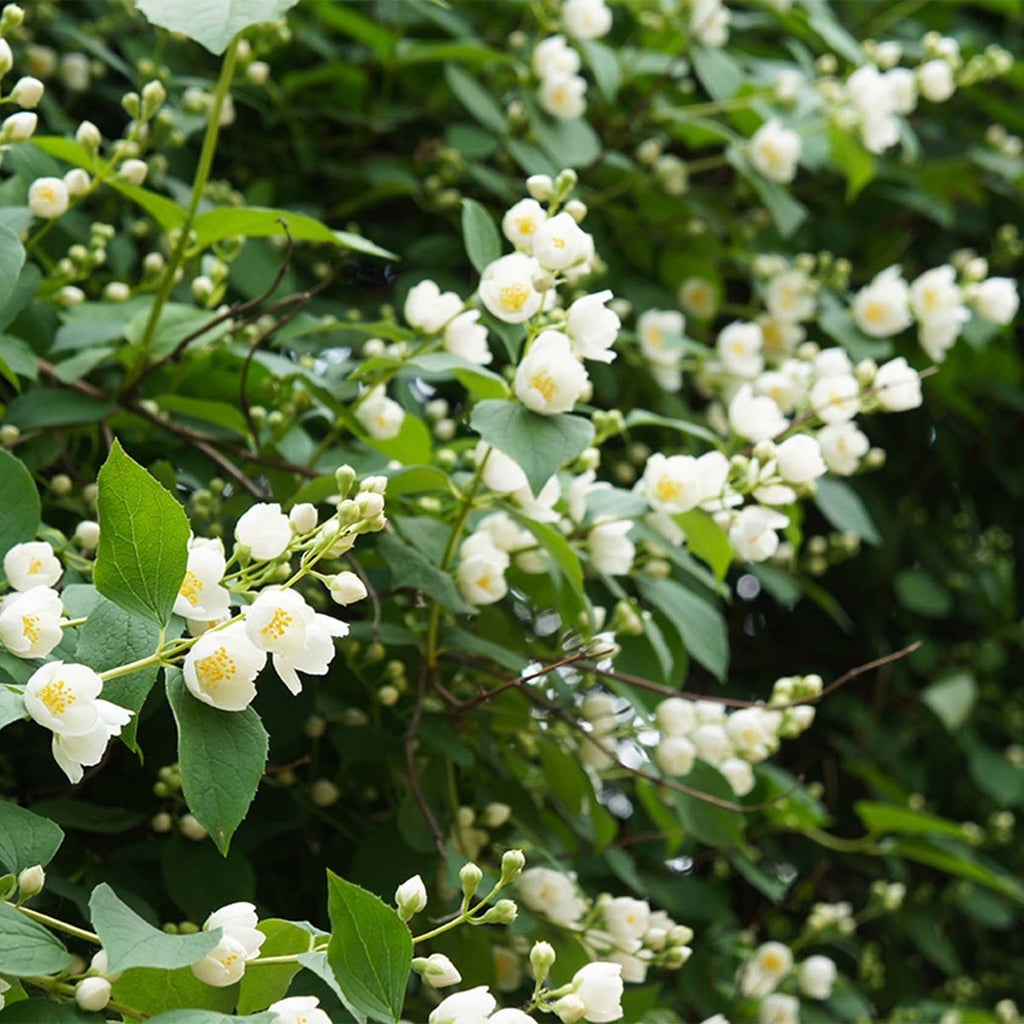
(26, 838)
(699, 623)
(212, 23)
(21, 511)
(483, 243)
(12, 259)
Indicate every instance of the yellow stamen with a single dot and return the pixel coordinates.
(278, 625)
(215, 669)
(57, 697)
(191, 588)
(513, 297)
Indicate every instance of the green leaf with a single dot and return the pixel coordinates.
(27, 948)
(26, 839)
(20, 519)
(82, 816)
(920, 592)
(572, 143)
(879, 817)
(852, 159)
(841, 506)
(143, 540)
(707, 540)
(222, 755)
(716, 71)
(166, 212)
(787, 212)
(152, 990)
(642, 418)
(477, 100)
(713, 825)
(266, 983)
(45, 408)
(605, 65)
(370, 951)
(212, 1017)
(317, 963)
(12, 259)
(412, 569)
(699, 623)
(12, 706)
(212, 23)
(132, 942)
(480, 382)
(46, 1011)
(540, 444)
(483, 243)
(952, 699)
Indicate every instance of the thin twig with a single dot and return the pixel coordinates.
(232, 470)
(509, 684)
(370, 592)
(410, 763)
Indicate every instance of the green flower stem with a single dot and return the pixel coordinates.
(61, 926)
(462, 917)
(65, 988)
(284, 958)
(865, 844)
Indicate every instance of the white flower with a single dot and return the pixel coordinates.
(506, 288)
(750, 730)
(799, 459)
(698, 297)
(626, 918)
(611, 550)
(634, 969)
(563, 96)
(675, 755)
(382, 417)
(466, 338)
(709, 22)
(299, 639)
(739, 348)
(221, 668)
(773, 958)
(817, 976)
(559, 242)
(676, 716)
(77, 182)
(438, 970)
(303, 517)
(347, 588)
(779, 1009)
(240, 941)
(88, 136)
(775, 151)
(711, 742)
(265, 530)
(522, 220)
(789, 296)
(902, 88)
(755, 417)
(133, 171)
(672, 483)
(298, 1009)
(843, 445)
(92, 994)
(501, 473)
(552, 894)
(599, 986)
(18, 128)
(32, 564)
(410, 897)
(753, 535)
(201, 597)
(428, 309)
(552, 56)
(238, 921)
(935, 296)
(550, 379)
(996, 299)
(586, 19)
(874, 100)
(784, 389)
(64, 698)
(481, 572)
(936, 80)
(836, 398)
(592, 327)
(27, 92)
(738, 774)
(30, 622)
(832, 362)
(654, 327)
(938, 336)
(897, 386)
(473, 1006)
(882, 308)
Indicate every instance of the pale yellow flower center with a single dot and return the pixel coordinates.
(278, 625)
(57, 697)
(668, 489)
(874, 312)
(215, 669)
(543, 383)
(30, 630)
(35, 566)
(526, 225)
(191, 588)
(513, 297)
(483, 581)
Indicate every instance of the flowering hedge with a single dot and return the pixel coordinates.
(438, 445)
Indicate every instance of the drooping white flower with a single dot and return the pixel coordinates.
(843, 445)
(739, 347)
(902, 85)
(586, 19)
(552, 56)
(611, 550)
(564, 96)
(599, 986)
(775, 151)
(882, 308)
(996, 299)
(550, 379)
(779, 1009)
(711, 742)
(784, 389)
(299, 639)
(753, 535)
(709, 22)
(221, 668)
(874, 100)
(241, 941)
(817, 976)
(201, 597)
(836, 398)
(265, 530)
(506, 288)
(676, 716)
(473, 1006)
(558, 242)
(30, 622)
(466, 338)
(634, 968)
(298, 1010)
(32, 564)
(789, 295)
(64, 698)
(936, 80)
(738, 774)
(592, 327)
(382, 417)
(799, 459)
(755, 417)
(675, 755)
(428, 309)
(552, 894)
(832, 362)
(937, 337)
(897, 386)
(481, 572)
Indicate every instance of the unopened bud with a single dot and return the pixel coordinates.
(470, 877)
(411, 897)
(31, 880)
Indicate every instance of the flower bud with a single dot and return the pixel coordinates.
(153, 95)
(9, 433)
(437, 970)
(496, 814)
(324, 793)
(512, 863)
(346, 588)
(27, 92)
(569, 1009)
(470, 876)
(540, 186)
(92, 994)
(31, 881)
(77, 181)
(503, 912)
(344, 477)
(161, 822)
(18, 127)
(191, 829)
(6, 56)
(542, 958)
(117, 291)
(375, 484)
(411, 897)
(303, 517)
(676, 956)
(133, 171)
(370, 504)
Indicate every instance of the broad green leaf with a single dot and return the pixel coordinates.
(46, 1011)
(317, 963)
(956, 859)
(642, 418)
(143, 540)
(110, 637)
(920, 592)
(787, 212)
(27, 948)
(879, 817)
(952, 699)
(212, 23)
(411, 568)
(483, 243)
(177, 321)
(480, 382)
(265, 984)
(856, 163)
(222, 755)
(44, 408)
(166, 212)
(370, 951)
(707, 540)
(699, 623)
(21, 509)
(12, 706)
(477, 100)
(12, 259)
(604, 63)
(26, 838)
(540, 444)
(219, 413)
(572, 143)
(841, 506)
(212, 1017)
(716, 71)
(154, 991)
(711, 824)
(132, 942)
(82, 816)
